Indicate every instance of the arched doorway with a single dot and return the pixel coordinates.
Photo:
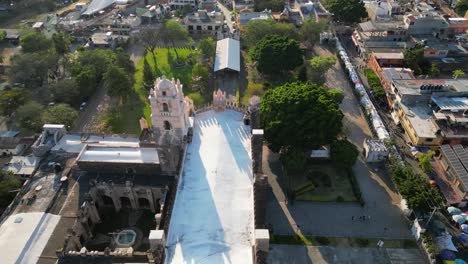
(143, 203)
(167, 125)
(107, 201)
(125, 202)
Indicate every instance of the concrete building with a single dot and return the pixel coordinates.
(432, 112)
(22, 166)
(374, 150)
(245, 16)
(451, 167)
(383, 10)
(14, 145)
(382, 36)
(175, 4)
(204, 22)
(388, 59)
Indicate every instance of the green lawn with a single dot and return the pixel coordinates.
(137, 106)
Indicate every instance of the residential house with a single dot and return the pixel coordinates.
(383, 10)
(378, 60)
(12, 35)
(22, 166)
(457, 26)
(106, 40)
(14, 145)
(117, 23)
(175, 4)
(373, 36)
(150, 15)
(452, 174)
(203, 22)
(245, 16)
(431, 111)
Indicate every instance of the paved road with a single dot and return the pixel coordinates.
(227, 15)
(335, 219)
(293, 254)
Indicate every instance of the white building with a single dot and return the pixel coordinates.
(181, 3)
(170, 111)
(374, 150)
(204, 22)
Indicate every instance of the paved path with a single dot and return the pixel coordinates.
(335, 219)
(293, 254)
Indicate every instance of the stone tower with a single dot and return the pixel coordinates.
(169, 112)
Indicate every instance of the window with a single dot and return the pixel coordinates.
(165, 107)
(164, 93)
(210, 27)
(429, 139)
(167, 125)
(190, 27)
(199, 28)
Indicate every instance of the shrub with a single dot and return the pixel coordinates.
(362, 242)
(323, 240)
(340, 198)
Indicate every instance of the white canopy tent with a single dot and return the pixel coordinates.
(227, 55)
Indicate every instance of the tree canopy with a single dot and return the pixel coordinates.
(34, 42)
(310, 30)
(457, 74)
(415, 189)
(273, 5)
(60, 114)
(343, 153)
(349, 11)
(207, 48)
(273, 49)
(65, 91)
(173, 32)
(10, 100)
(319, 65)
(414, 59)
(8, 184)
(62, 43)
(31, 69)
(461, 7)
(299, 115)
(200, 77)
(425, 161)
(117, 82)
(148, 77)
(28, 116)
(336, 94)
(256, 30)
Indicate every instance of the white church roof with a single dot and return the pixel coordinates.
(227, 55)
(119, 154)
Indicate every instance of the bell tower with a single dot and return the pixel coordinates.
(169, 112)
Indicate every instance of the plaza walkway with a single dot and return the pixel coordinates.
(213, 216)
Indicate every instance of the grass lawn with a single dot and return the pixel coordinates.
(137, 105)
(322, 183)
(341, 241)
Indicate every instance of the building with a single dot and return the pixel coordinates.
(106, 40)
(426, 24)
(204, 22)
(431, 111)
(387, 75)
(175, 4)
(117, 23)
(245, 16)
(383, 10)
(14, 145)
(227, 55)
(383, 36)
(451, 167)
(388, 59)
(374, 150)
(22, 166)
(152, 14)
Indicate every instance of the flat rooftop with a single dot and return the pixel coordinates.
(420, 117)
(411, 86)
(389, 55)
(212, 221)
(74, 143)
(119, 155)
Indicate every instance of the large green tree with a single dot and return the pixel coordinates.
(174, 33)
(28, 116)
(65, 91)
(277, 54)
(62, 43)
(32, 69)
(310, 30)
(343, 153)
(150, 39)
(319, 65)
(349, 11)
(148, 77)
(425, 161)
(35, 41)
(60, 114)
(302, 116)
(255, 30)
(8, 186)
(117, 82)
(200, 77)
(207, 48)
(414, 59)
(10, 100)
(461, 7)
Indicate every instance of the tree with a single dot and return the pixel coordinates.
(31, 69)
(256, 30)
(343, 153)
(319, 66)
(273, 49)
(60, 114)
(207, 48)
(123, 61)
(461, 7)
(173, 32)
(62, 43)
(65, 91)
(200, 77)
(348, 11)
(302, 116)
(8, 184)
(117, 82)
(273, 5)
(148, 78)
(34, 42)
(150, 40)
(414, 59)
(10, 100)
(86, 80)
(425, 161)
(435, 71)
(28, 116)
(457, 74)
(336, 94)
(185, 10)
(310, 30)
(416, 189)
